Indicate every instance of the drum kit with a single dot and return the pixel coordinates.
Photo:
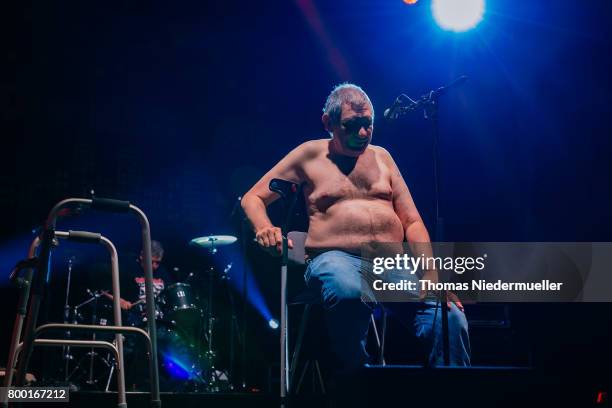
(186, 332)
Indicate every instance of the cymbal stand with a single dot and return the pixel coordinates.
(214, 376)
(234, 327)
(210, 353)
(66, 355)
(92, 354)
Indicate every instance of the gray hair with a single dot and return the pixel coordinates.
(341, 94)
(156, 249)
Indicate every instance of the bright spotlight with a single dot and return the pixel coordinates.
(457, 15)
(273, 323)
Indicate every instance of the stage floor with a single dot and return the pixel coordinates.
(391, 386)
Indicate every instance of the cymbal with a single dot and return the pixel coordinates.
(213, 241)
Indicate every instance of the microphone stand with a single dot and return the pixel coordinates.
(429, 103)
(431, 113)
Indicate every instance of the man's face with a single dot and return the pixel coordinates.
(354, 132)
(155, 261)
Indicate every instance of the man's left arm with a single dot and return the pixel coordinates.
(415, 231)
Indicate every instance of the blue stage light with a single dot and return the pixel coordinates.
(457, 15)
(12, 251)
(273, 323)
(176, 367)
(235, 270)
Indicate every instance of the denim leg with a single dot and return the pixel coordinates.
(459, 340)
(336, 276)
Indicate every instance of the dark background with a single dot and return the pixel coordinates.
(179, 108)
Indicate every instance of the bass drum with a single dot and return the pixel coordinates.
(181, 356)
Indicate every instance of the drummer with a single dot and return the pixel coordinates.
(133, 281)
(133, 288)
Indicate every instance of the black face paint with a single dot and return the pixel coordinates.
(354, 125)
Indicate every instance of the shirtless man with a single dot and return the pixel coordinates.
(354, 194)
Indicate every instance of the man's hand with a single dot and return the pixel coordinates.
(271, 240)
(452, 298)
(432, 276)
(125, 305)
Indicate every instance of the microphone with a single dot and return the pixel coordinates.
(398, 107)
(392, 112)
(404, 103)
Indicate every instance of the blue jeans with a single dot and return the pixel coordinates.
(336, 275)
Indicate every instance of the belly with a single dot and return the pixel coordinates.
(348, 224)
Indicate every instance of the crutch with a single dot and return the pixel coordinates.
(289, 193)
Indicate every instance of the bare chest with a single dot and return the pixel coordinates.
(332, 181)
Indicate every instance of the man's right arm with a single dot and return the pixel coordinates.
(256, 200)
(124, 304)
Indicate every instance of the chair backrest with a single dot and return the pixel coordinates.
(297, 255)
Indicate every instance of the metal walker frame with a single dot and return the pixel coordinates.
(25, 333)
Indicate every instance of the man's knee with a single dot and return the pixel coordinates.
(338, 277)
(339, 289)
